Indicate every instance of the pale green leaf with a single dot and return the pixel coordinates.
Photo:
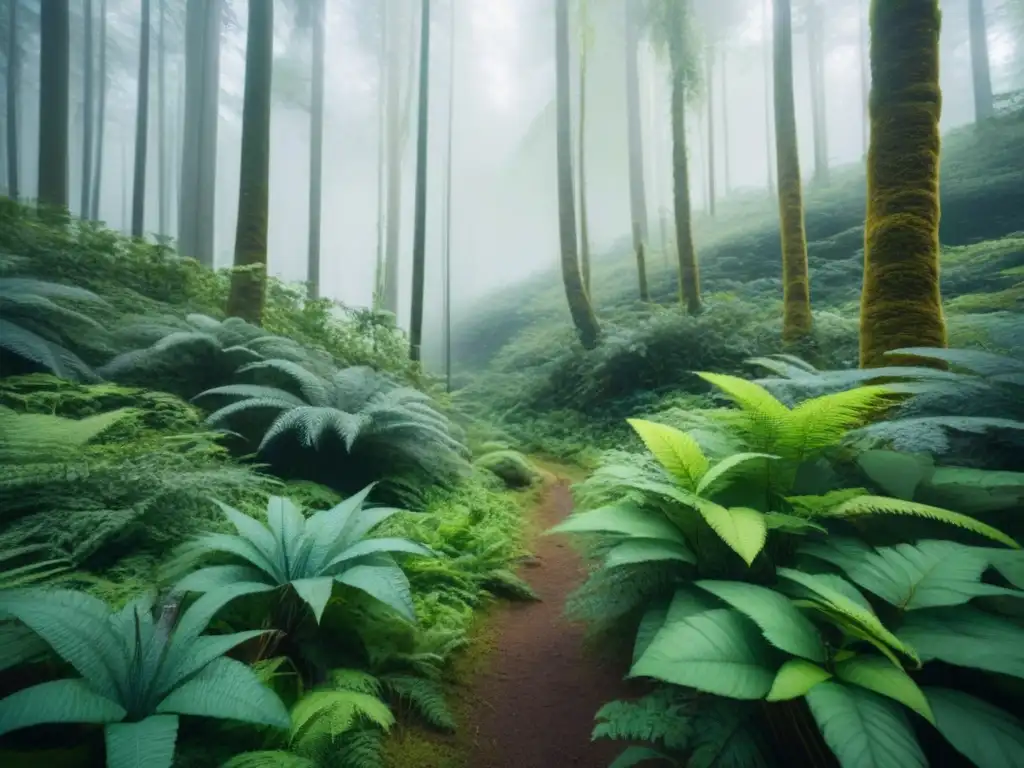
(987, 735)
(794, 679)
(638, 550)
(57, 701)
(675, 450)
(148, 743)
(315, 593)
(879, 675)
(721, 471)
(743, 529)
(228, 690)
(966, 637)
(624, 519)
(387, 583)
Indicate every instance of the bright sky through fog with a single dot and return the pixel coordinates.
(496, 35)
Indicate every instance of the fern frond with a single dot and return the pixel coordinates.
(823, 421)
(747, 395)
(270, 758)
(423, 696)
(313, 389)
(664, 717)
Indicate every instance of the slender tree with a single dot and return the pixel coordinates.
(816, 56)
(725, 120)
(87, 108)
(101, 116)
(419, 245)
(580, 309)
(584, 36)
(163, 196)
(13, 89)
(634, 136)
(141, 127)
(382, 110)
(709, 63)
(248, 281)
(901, 304)
(980, 68)
(447, 257)
(796, 312)
(316, 144)
(54, 97)
(197, 192)
(766, 48)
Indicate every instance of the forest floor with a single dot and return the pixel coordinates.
(531, 690)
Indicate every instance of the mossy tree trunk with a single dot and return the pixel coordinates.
(13, 81)
(689, 273)
(637, 194)
(419, 244)
(796, 312)
(981, 74)
(248, 281)
(900, 303)
(582, 312)
(54, 88)
(141, 127)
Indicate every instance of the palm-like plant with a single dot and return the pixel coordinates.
(35, 325)
(307, 555)
(788, 619)
(137, 673)
(367, 412)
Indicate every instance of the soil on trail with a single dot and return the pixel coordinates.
(535, 702)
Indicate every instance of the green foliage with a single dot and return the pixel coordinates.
(512, 467)
(763, 597)
(137, 673)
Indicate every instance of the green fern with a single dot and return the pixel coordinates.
(423, 696)
(665, 718)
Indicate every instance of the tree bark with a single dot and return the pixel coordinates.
(796, 301)
(447, 256)
(634, 136)
(901, 304)
(582, 170)
(197, 193)
(101, 116)
(725, 120)
(248, 281)
(709, 63)
(981, 75)
(382, 111)
(13, 91)
(54, 95)
(141, 128)
(87, 117)
(816, 55)
(163, 196)
(316, 143)
(419, 246)
(580, 309)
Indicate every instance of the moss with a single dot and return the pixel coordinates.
(514, 469)
(796, 302)
(900, 303)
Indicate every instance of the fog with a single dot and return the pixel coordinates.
(503, 204)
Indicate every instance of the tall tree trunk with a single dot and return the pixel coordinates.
(580, 309)
(796, 302)
(816, 55)
(582, 170)
(54, 96)
(634, 136)
(316, 144)
(419, 246)
(249, 280)
(126, 222)
(87, 118)
(141, 128)
(901, 305)
(197, 193)
(382, 111)
(13, 90)
(709, 63)
(980, 69)
(766, 28)
(101, 116)
(689, 274)
(862, 60)
(725, 120)
(447, 255)
(163, 196)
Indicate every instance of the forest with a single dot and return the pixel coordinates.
(493, 383)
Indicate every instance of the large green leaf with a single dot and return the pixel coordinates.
(794, 679)
(720, 472)
(229, 690)
(987, 735)
(898, 474)
(624, 519)
(260, 539)
(653, 620)
(864, 730)
(270, 758)
(879, 675)
(633, 551)
(286, 525)
(676, 451)
(1009, 563)
(57, 701)
(966, 637)
(374, 546)
(326, 527)
(929, 574)
(19, 644)
(633, 756)
(975, 491)
(387, 583)
(717, 651)
(315, 593)
(782, 624)
(218, 576)
(743, 529)
(148, 743)
(198, 654)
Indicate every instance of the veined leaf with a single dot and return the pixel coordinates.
(315, 593)
(743, 529)
(57, 701)
(148, 743)
(864, 730)
(879, 675)
(780, 521)
(747, 395)
(387, 583)
(794, 679)
(881, 505)
(638, 550)
(675, 450)
(651, 623)
(782, 624)
(717, 651)
(625, 519)
(229, 690)
(985, 734)
(966, 637)
(721, 471)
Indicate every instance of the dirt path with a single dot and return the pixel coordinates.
(539, 693)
